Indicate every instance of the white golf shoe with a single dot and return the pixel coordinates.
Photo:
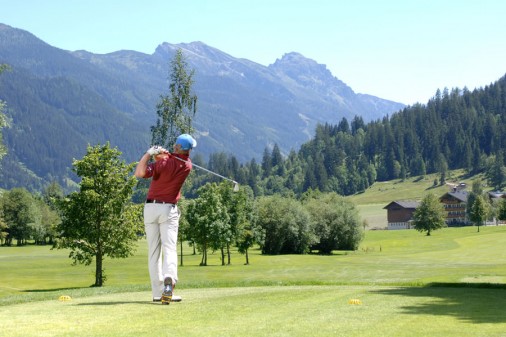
(167, 291)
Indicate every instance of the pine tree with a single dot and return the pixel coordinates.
(266, 163)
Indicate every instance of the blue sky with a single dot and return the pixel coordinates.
(398, 50)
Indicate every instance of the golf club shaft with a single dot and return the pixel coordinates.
(209, 171)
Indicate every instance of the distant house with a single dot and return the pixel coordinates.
(400, 213)
(496, 196)
(455, 206)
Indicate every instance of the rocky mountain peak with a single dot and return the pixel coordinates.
(310, 74)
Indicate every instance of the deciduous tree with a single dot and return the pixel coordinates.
(208, 220)
(94, 222)
(502, 210)
(239, 206)
(45, 223)
(479, 211)
(19, 211)
(3, 229)
(285, 224)
(430, 215)
(335, 221)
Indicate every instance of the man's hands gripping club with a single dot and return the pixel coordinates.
(158, 152)
(154, 150)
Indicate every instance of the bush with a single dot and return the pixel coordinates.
(335, 222)
(285, 224)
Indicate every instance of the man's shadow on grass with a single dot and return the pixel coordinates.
(473, 303)
(109, 303)
(93, 303)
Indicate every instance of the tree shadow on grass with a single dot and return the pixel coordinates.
(474, 303)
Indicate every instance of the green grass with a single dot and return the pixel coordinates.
(403, 257)
(269, 311)
(452, 283)
(411, 188)
(374, 215)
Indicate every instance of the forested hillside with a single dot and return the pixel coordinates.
(53, 122)
(456, 129)
(58, 101)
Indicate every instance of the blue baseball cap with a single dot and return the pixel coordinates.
(186, 141)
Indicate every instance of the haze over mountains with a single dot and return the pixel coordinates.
(59, 101)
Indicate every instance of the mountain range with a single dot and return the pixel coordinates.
(59, 101)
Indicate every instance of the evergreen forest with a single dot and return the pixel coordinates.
(456, 129)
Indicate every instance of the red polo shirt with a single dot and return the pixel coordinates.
(168, 175)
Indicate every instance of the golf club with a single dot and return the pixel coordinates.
(236, 184)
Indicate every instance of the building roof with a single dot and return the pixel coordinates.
(496, 194)
(409, 204)
(460, 195)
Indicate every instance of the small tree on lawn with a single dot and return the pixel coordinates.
(94, 222)
(230, 229)
(245, 241)
(208, 220)
(430, 215)
(239, 206)
(19, 211)
(479, 211)
(244, 216)
(3, 230)
(502, 210)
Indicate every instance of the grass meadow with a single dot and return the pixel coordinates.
(371, 202)
(399, 283)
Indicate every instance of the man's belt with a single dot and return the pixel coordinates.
(153, 201)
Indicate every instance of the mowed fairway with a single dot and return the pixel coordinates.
(404, 283)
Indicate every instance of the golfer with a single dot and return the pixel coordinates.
(161, 215)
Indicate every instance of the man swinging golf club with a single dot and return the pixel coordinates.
(161, 215)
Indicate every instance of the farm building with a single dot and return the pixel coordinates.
(400, 213)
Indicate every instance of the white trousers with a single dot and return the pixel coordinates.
(161, 223)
